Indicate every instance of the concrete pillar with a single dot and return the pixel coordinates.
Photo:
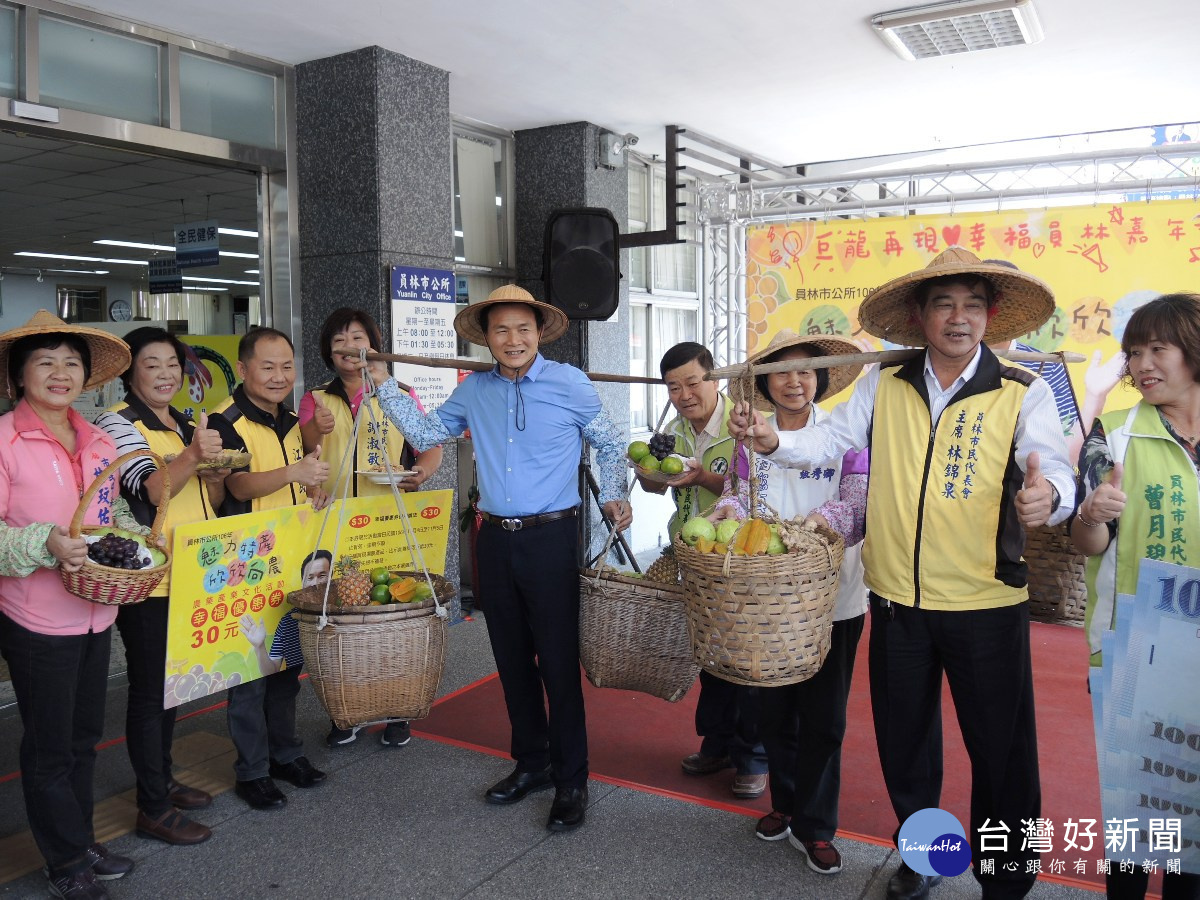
(375, 190)
(555, 169)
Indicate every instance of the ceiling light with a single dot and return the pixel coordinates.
(135, 245)
(208, 288)
(220, 280)
(80, 271)
(942, 29)
(239, 255)
(252, 272)
(91, 259)
(237, 232)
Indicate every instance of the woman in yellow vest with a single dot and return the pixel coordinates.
(327, 415)
(145, 419)
(1138, 469)
(327, 418)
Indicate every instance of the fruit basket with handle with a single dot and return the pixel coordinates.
(633, 632)
(108, 585)
(372, 663)
(763, 619)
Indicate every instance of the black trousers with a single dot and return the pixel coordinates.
(60, 682)
(802, 728)
(262, 723)
(1132, 885)
(149, 729)
(985, 657)
(727, 717)
(529, 582)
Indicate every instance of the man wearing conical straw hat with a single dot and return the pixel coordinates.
(528, 417)
(966, 452)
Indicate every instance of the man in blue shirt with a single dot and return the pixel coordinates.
(528, 418)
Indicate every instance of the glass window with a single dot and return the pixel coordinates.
(664, 267)
(481, 198)
(8, 52)
(98, 72)
(672, 324)
(226, 101)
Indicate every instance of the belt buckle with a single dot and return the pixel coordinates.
(511, 524)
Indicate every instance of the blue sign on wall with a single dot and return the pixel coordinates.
(197, 244)
(425, 285)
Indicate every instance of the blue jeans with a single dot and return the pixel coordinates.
(60, 682)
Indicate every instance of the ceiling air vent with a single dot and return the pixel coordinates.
(942, 29)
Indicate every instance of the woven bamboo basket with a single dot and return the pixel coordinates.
(1057, 590)
(762, 620)
(371, 666)
(104, 584)
(312, 599)
(633, 635)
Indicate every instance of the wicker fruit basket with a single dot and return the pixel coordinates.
(369, 667)
(1057, 589)
(762, 620)
(633, 634)
(111, 586)
(368, 664)
(312, 599)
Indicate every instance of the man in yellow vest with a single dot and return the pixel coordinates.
(726, 713)
(262, 713)
(966, 452)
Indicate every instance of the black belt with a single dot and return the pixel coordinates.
(516, 523)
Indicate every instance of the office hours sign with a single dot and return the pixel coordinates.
(423, 325)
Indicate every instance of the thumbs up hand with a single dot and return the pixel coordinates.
(1035, 500)
(1107, 501)
(310, 471)
(206, 442)
(322, 415)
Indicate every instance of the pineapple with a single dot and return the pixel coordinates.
(354, 585)
(664, 570)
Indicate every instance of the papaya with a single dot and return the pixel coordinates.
(753, 538)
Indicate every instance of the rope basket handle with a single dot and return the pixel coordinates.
(114, 466)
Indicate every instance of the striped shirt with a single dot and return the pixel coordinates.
(286, 644)
(127, 438)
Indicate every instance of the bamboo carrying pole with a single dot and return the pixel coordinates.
(879, 356)
(736, 371)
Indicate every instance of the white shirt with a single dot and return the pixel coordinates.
(849, 426)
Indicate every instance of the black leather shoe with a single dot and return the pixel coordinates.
(260, 793)
(907, 884)
(515, 787)
(568, 809)
(299, 772)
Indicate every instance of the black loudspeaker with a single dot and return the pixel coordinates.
(581, 265)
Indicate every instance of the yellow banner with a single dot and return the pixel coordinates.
(225, 569)
(1102, 262)
(209, 372)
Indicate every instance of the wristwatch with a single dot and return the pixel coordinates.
(1055, 500)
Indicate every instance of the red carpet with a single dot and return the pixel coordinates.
(637, 740)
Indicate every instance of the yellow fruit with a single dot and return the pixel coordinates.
(402, 591)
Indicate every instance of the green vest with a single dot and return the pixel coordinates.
(695, 500)
(368, 452)
(942, 530)
(1161, 519)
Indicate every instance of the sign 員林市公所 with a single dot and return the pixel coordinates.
(197, 244)
(423, 311)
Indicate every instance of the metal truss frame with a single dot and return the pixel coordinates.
(752, 191)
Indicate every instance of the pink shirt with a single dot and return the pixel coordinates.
(40, 482)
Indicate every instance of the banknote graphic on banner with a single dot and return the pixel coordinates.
(226, 568)
(1102, 261)
(1148, 720)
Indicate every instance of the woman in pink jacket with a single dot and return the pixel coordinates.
(56, 644)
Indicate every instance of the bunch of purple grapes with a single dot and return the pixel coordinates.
(662, 445)
(117, 552)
